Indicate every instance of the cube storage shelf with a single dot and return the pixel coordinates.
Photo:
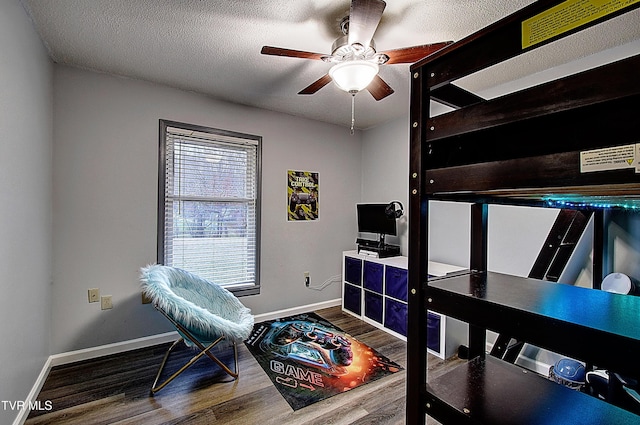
(375, 290)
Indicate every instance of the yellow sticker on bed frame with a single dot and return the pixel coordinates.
(567, 16)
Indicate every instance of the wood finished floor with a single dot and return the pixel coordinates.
(115, 389)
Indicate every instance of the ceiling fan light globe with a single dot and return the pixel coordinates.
(353, 76)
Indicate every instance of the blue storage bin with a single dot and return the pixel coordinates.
(352, 299)
(353, 270)
(433, 332)
(372, 276)
(396, 283)
(373, 306)
(395, 316)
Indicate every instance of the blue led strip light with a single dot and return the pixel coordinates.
(591, 202)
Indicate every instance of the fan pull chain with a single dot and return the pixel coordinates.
(353, 112)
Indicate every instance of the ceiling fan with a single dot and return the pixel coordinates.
(356, 61)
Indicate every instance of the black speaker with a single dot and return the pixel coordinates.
(391, 210)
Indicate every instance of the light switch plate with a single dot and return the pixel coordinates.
(94, 295)
(105, 302)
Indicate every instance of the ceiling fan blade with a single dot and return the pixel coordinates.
(379, 89)
(414, 53)
(364, 18)
(279, 51)
(316, 85)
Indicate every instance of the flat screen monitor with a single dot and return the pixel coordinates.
(372, 218)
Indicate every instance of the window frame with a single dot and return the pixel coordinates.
(162, 159)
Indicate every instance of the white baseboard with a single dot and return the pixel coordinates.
(297, 310)
(21, 417)
(115, 348)
(533, 364)
(134, 344)
(87, 354)
(537, 366)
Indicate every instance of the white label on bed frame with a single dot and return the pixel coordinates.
(614, 158)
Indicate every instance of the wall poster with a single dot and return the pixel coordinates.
(302, 195)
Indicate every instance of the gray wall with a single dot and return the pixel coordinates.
(385, 171)
(105, 166)
(25, 195)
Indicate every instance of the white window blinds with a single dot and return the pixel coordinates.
(211, 204)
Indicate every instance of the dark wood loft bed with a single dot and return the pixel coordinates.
(523, 148)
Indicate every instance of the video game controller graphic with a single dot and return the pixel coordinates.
(302, 198)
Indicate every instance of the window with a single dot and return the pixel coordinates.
(209, 204)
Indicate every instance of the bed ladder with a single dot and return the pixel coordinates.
(551, 262)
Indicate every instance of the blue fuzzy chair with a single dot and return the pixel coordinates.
(203, 313)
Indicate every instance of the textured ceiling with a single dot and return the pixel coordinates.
(213, 47)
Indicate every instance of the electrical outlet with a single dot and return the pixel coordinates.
(94, 295)
(307, 279)
(106, 302)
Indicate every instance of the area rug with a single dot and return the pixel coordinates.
(308, 359)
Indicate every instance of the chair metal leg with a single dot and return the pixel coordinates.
(154, 388)
(235, 356)
(203, 351)
(194, 359)
(224, 367)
